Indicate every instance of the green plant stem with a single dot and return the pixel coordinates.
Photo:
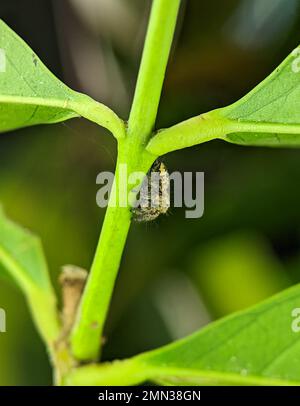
(45, 315)
(214, 125)
(153, 66)
(129, 372)
(87, 332)
(191, 132)
(125, 372)
(86, 337)
(88, 329)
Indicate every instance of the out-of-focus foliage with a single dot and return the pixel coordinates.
(237, 271)
(22, 259)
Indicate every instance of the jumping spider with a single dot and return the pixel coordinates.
(154, 195)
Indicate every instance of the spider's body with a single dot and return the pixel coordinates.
(154, 194)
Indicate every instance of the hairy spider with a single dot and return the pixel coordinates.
(154, 196)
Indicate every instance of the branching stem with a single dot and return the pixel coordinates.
(86, 336)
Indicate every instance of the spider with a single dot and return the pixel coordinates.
(154, 196)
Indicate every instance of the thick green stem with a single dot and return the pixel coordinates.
(88, 330)
(86, 335)
(196, 130)
(153, 67)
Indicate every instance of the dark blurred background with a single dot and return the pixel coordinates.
(177, 274)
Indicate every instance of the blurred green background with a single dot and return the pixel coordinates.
(177, 274)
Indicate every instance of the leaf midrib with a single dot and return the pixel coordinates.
(212, 376)
(41, 101)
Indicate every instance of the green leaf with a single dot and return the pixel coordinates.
(270, 113)
(22, 258)
(30, 94)
(267, 116)
(254, 347)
